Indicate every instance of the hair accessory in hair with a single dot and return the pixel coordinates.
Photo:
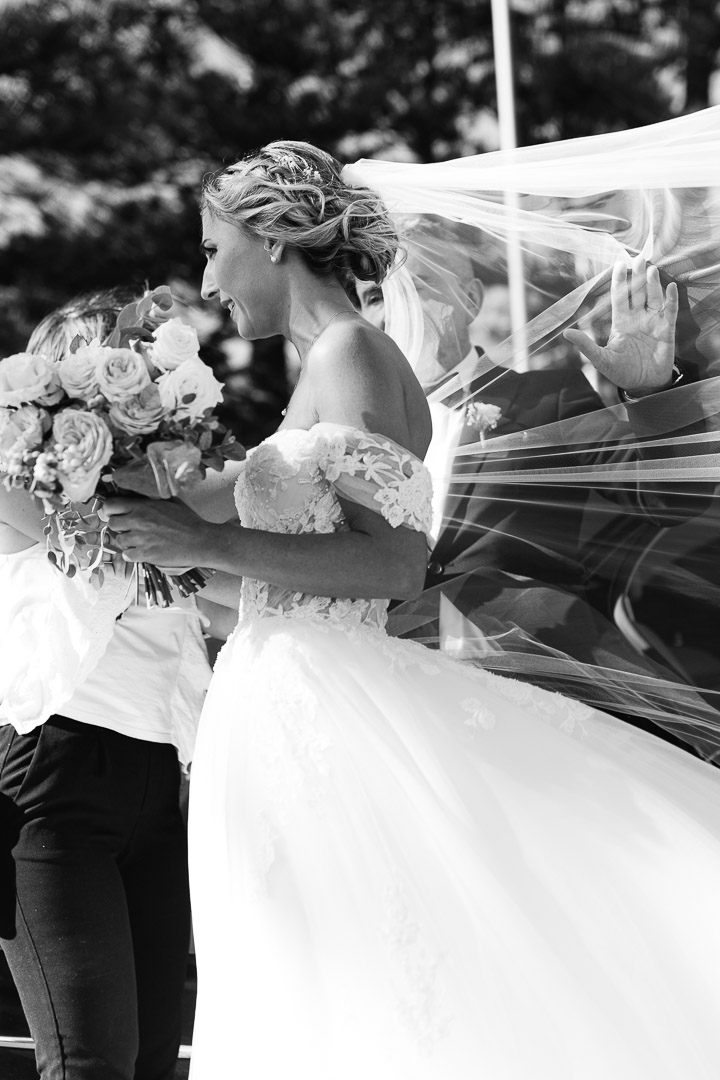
(304, 172)
(293, 193)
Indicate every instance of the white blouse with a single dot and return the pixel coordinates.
(96, 655)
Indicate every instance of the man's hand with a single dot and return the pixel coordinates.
(640, 350)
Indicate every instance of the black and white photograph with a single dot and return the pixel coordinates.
(359, 540)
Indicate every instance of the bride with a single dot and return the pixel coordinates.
(403, 867)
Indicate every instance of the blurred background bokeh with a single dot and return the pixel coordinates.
(112, 110)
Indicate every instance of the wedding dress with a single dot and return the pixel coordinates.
(406, 868)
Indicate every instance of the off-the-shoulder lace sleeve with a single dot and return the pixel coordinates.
(375, 472)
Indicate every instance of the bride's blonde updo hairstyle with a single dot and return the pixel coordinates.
(294, 192)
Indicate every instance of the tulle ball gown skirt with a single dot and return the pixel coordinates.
(406, 870)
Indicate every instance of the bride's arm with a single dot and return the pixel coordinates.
(370, 560)
(358, 384)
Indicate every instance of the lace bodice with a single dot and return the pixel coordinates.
(290, 483)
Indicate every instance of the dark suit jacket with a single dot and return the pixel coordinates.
(513, 559)
(534, 530)
(531, 530)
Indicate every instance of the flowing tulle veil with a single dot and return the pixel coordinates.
(571, 210)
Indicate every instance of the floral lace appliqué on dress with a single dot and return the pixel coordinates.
(293, 483)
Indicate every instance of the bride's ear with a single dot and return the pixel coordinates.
(276, 250)
(475, 296)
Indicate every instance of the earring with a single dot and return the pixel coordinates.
(273, 258)
(267, 245)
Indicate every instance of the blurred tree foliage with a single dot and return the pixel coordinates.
(590, 66)
(112, 110)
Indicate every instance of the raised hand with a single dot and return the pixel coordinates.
(640, 350)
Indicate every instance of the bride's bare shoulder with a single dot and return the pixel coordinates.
(359, 377)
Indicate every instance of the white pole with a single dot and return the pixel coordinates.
(502, 49)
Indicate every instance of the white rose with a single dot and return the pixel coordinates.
(22, 429)
(78, 370)
(175, 342)
(84, 446)
(140, 414)
(26, 377)
(190, 389)
(121, 374)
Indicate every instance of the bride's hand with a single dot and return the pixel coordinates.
(163, 533)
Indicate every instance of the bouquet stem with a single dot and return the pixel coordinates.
(157, 588)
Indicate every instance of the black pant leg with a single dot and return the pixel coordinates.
(72, 963)
(96, 844)
(70, 950)
(155, 877)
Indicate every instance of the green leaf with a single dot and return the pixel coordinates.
(76, 342)
(143, 306)
(233, 452)
(214, 461)
(131, 333)
(163, 297)
(127, 317)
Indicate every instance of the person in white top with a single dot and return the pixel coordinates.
(99, 701)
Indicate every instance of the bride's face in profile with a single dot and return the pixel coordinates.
(238, 273)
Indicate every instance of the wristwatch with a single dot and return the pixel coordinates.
(680, 376)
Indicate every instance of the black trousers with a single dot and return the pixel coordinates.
(94, 904)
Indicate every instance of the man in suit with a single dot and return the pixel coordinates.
(511, 560)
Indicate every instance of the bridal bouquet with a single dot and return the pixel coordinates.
(141, 397)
